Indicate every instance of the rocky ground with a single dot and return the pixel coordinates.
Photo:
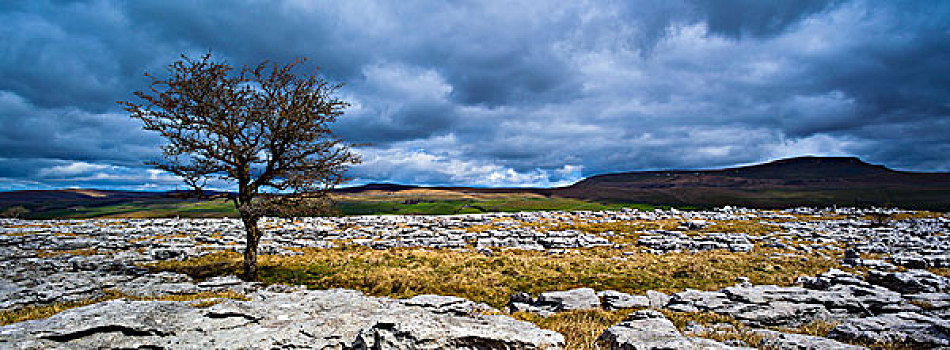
(890, 295)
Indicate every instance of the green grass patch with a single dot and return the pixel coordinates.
(423, 206)
(159, 208)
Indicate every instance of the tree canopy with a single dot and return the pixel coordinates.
(263, 127)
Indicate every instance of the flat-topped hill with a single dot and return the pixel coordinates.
(803, 181)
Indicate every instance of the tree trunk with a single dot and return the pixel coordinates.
(250, 249)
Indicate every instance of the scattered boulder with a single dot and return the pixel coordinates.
(657, 299)
(649, 329)
(613, 300)
(574, 299)
(694, 224)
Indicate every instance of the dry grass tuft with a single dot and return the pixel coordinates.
(52, 253)
(751, 227)
(580, 328)
(41, 311)
(818, 328)
(941, 271)
(907, 216)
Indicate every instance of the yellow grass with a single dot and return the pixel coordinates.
(580, 328)
(51, 253)
(493, 279)
(942, 271)
(752, 227)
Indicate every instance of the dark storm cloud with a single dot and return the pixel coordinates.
(498, 93)
(738, 18)
(30, 132)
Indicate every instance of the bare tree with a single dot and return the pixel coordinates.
(265, 128)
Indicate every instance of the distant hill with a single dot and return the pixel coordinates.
(803, 181)
(72, 195)
(79, 196)
(44, 204)
(786, 183)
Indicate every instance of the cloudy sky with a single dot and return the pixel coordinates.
(497, 93)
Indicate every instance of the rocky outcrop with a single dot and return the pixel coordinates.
(338, 319)
(69, 260)
(834, 295)
(912, 281)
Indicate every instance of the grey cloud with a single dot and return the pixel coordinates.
(30, 132)
(503, 93)
(740, 18)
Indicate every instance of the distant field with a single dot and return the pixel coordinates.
(470, 206)
(158, 208)
(413, 202)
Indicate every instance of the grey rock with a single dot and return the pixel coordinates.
(748, 295)
(65, 287)
(574, 299)
(931, 301)
(448, 304)
(779, 340)
(694, 224)
(657, 299)
(523, 298)
(831, 278)
(911, 261)
(870, 300)
(747, 247)
(613, 300)
(647, 330)
(222, 281)
(907, 328)
(160, 284)
(909, 282)
(780, 314)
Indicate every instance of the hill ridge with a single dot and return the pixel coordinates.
(782, 183)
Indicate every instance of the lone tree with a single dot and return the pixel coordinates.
(263, 127)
